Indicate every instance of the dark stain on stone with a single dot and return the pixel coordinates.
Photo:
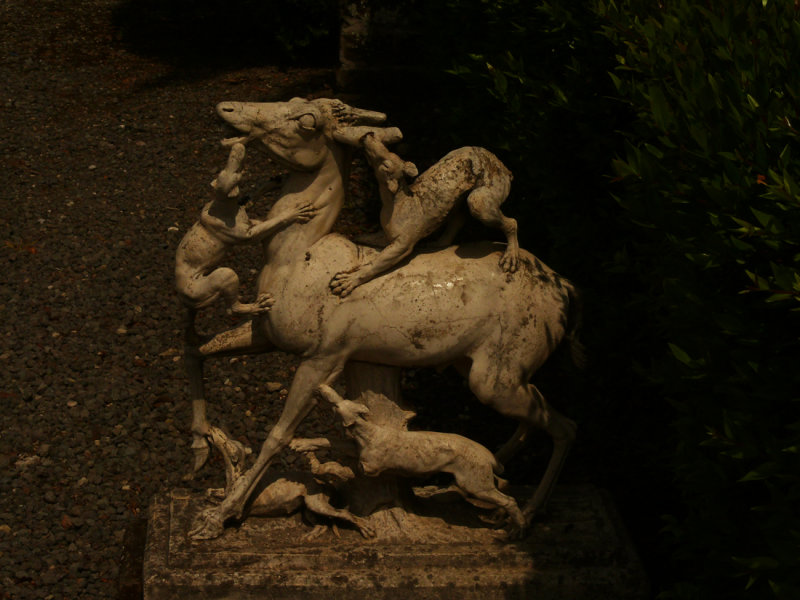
(551, 341)
(320, 317)
(416, 339)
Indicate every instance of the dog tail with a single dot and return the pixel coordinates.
(502, 484)
(498, 469)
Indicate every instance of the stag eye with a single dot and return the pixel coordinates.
(307, 122)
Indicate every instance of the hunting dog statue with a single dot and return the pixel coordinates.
(449, 307)
(414, 210)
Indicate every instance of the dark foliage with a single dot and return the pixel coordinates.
(707, 171)
(212, 34)
(652, 150)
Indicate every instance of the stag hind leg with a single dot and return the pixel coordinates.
(506, 389)
(243, 339)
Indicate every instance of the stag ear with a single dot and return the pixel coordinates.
(344, 113)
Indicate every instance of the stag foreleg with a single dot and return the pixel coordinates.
(309, 376)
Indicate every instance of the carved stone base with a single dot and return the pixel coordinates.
(580, 551)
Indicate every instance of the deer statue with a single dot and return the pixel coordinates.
(452, 306)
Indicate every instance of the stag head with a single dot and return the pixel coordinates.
(297, 133)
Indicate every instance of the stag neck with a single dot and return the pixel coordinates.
(324, 188)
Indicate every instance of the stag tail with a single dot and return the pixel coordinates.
(577, 351)
(502, 484)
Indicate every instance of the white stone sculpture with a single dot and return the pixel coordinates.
(222, 224)
(398, 450)
(289, 492)
(413, 211)
(200, 280)
(453, 306)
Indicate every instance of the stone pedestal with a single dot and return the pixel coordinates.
(580, 551)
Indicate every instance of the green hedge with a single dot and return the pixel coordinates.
(655, 150)
(708, 171)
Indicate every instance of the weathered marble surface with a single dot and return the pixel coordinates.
(581, 551)
(493, 311)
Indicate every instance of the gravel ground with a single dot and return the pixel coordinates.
(107, 156)
(108, 151)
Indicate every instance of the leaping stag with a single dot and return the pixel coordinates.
(452, 306)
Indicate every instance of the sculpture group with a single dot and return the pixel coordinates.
(357, 314)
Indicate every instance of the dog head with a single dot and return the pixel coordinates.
(395, 170)
(348, 410)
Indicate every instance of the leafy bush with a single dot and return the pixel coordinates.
(708, 171)
(654, 147)
(211, 34)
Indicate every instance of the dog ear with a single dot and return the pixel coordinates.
(392, 185)
(410, 169)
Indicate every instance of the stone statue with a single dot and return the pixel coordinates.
(222, 224)
(494, 312)
(414, 211)
(286, 493)
(398, 450)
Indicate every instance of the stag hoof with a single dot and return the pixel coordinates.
(207, 525)
(513, 534)
(516, 533)
(201, 450)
